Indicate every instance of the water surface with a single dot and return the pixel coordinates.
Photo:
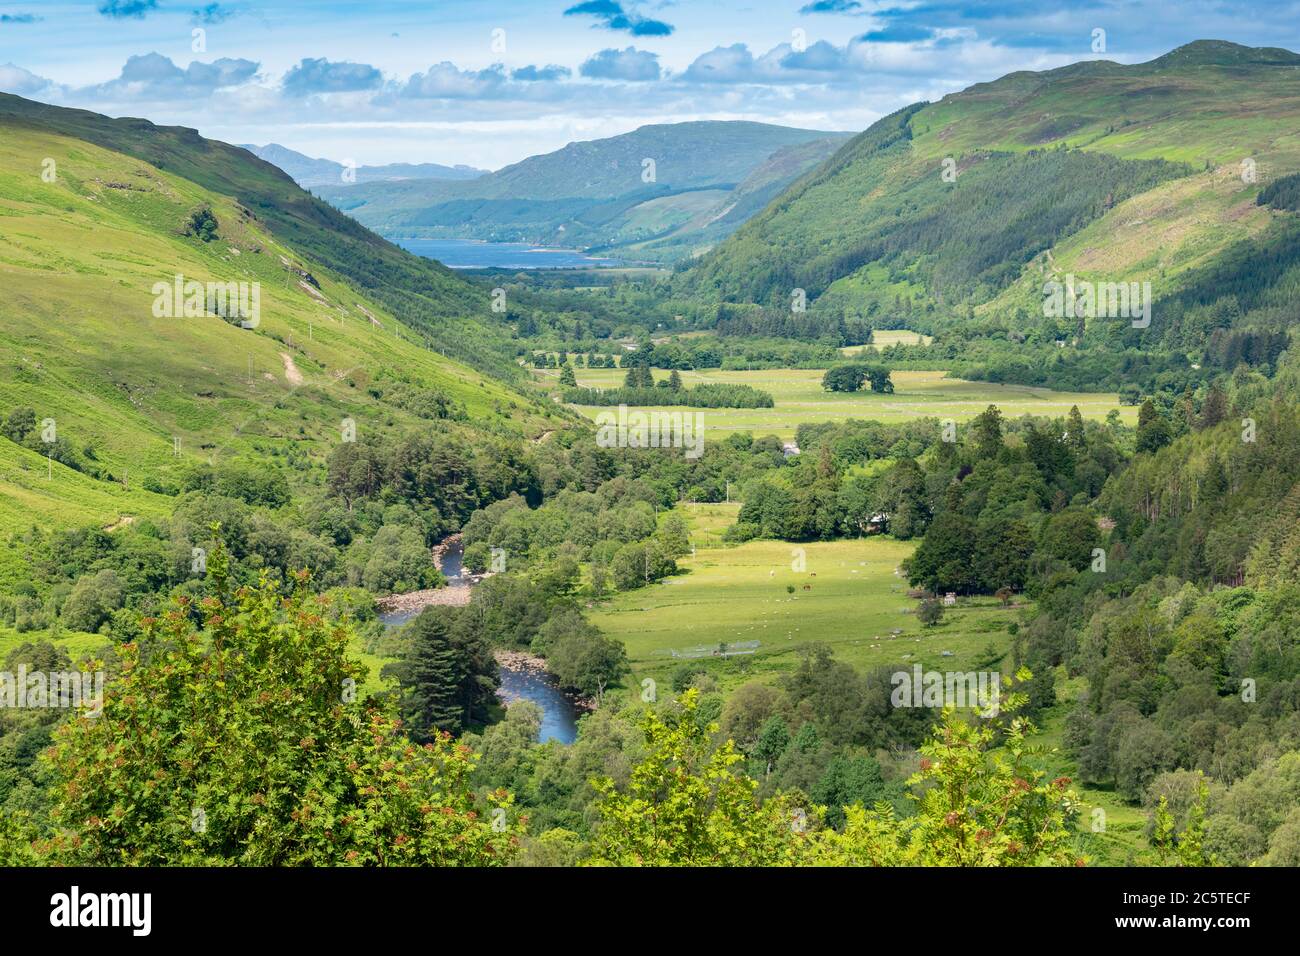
(469, 254)
(559, 716)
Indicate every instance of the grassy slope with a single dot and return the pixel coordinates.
(79, 342)
(448, 313)
(1207, 104)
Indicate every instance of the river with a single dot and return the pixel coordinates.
(559, 714)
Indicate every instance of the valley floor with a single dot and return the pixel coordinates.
(849, 595)
(800, 399)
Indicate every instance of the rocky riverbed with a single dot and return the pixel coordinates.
(532, 666)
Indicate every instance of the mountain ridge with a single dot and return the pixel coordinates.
(621, 191)
(308, 171)
(1215, 105)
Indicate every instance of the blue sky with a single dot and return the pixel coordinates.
(488, 83)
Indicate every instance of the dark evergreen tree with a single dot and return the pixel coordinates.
(1152, 431)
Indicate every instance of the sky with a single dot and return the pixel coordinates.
(489, 82)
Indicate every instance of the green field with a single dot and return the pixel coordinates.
(854, 602)
(883, 338)
(800, 398)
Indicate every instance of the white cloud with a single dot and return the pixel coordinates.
(630, 64)
(323, 76)
(14, 79)
(445, 81)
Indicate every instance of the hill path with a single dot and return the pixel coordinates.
(291, 370)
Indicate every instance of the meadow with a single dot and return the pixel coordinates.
(849, 595)
(800, 398)
(856, 602)
(883, 338)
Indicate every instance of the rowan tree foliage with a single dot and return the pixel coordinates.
(687, 804)
(984, 801)
(242, 741)
(1185, 847)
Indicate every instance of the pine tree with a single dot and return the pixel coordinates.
(449, 679)
(1216, 407)
(987, 427)
(1152, 431)
(435, 678)
(1074, 427)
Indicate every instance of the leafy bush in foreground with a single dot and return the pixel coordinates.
(244, 742)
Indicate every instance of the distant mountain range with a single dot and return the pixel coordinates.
(311, 173)
(660, 192)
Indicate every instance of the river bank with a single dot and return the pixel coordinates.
(525, 677)
(524, 663)
(522, 676)
(397, 609)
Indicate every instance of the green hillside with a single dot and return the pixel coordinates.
(432, 300)
(138, 397)
(1110, 169)
(725, 212)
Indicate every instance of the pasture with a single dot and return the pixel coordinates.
(847, 594)
(800, 398)
(883, 338)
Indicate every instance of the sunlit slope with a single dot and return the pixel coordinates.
(1113, 169)
(428, 296)
(80, 342)
(1161, 236)
(1209, 102)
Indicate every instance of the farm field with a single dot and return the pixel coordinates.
(800, 398)
(883, 338)
(738, 595)
(735, 595)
